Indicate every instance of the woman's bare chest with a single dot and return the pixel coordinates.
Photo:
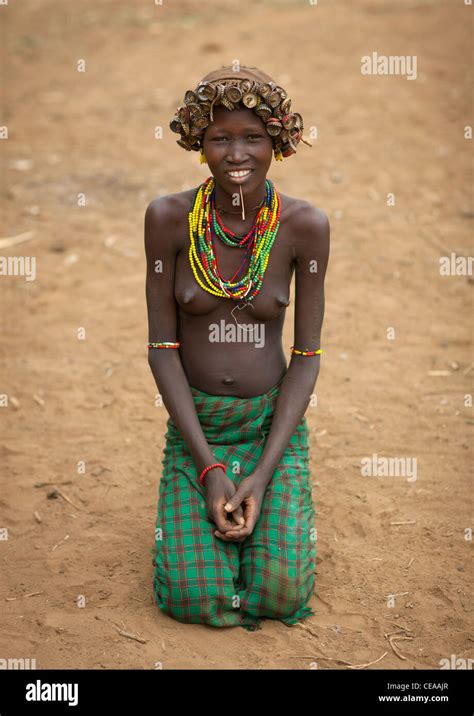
(274, 295)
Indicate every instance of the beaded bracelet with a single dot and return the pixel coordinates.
(305, 353)
(164, 344)
(209, 467)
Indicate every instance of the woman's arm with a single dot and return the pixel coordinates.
(165, 364)
(311, 258)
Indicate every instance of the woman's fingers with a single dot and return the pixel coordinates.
(234, 520)
(238, 515)
(224, 522)
(231, 527)
(233, 536)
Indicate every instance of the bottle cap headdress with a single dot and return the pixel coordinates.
(249, 87)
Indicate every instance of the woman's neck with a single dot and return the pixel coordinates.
(230, 204)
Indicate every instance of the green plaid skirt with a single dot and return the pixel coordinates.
(198, 577)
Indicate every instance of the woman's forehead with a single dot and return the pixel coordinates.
(243, 118)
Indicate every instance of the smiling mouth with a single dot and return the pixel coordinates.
(239, 173)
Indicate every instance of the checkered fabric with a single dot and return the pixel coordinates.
(198, 577)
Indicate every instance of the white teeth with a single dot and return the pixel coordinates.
(239, 174)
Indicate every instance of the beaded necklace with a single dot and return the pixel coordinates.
(203, 221)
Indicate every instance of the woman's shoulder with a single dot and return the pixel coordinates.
(304, 217)
(170, 206)
(166, 221)
(166, 216)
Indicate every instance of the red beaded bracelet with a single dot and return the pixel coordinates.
(209, 467)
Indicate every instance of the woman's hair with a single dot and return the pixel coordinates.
(247, 87)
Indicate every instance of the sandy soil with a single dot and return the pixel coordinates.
(92, 400)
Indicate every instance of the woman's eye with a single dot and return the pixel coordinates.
(250, 136)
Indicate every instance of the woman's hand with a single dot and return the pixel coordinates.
(250, 494)
(219, 490)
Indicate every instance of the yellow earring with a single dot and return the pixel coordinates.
(278, 156)
(203, 159)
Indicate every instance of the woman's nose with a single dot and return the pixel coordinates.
(236, 152)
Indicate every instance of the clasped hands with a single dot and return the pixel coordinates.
(234, 510)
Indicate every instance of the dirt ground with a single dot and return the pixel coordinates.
(397, 363)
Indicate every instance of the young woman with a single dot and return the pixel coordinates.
(235, 533)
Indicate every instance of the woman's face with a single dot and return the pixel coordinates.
(237, 140)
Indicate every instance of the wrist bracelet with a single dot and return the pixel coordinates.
(209, 467)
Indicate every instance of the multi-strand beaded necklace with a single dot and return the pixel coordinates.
(204, 222)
